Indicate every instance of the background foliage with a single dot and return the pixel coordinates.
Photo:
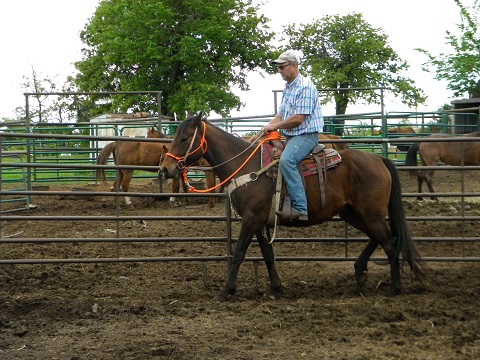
(345, 52)
(194, 51)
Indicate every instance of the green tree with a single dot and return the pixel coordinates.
(461, 68)
(40, 107)
(194, 51)
(345, 52)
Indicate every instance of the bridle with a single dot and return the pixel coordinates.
(202, 146)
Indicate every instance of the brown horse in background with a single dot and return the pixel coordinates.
(136, 153)
(209, 174)
(397, 130)
(336, 146)
(455, 153)
(321, 138)
(362, 189)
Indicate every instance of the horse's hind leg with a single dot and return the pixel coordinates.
(384, 237)
(361, 264)
(118, 180)
(382, 234)
(376, 229)
(425, 176)
(428, 181)
(420, 180)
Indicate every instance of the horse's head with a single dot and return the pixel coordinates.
(187, 147)
(154, 133)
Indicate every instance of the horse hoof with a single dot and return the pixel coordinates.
(394, 292)
(273, 294)
(225, 295)
(175, 204)
(361, 278)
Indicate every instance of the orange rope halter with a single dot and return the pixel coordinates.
(273, 135)
(202, 146)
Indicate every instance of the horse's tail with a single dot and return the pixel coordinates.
(102, 160)
(411, 159)
(398, 224)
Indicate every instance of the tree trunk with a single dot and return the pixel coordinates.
(341, 102)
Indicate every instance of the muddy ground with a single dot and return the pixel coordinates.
(152, 310)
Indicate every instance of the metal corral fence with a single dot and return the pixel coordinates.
(362, 131)
(18, 187)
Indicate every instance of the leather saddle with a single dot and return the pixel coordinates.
(316, 163)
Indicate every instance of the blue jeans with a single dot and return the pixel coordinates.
(297, 148)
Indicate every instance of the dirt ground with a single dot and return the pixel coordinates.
(152, 310)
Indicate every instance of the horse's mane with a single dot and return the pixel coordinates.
(233, 137)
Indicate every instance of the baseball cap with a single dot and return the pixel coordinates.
(287, 56)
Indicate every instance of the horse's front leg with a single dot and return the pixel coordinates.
(210, 180)
(125, 182)
(269, 257)
(174, 201)
(244, 240)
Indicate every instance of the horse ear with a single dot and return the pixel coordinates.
(198, 118)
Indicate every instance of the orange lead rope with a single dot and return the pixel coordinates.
(273, 135)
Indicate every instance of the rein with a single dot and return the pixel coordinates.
(274, 135)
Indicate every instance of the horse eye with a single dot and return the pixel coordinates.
(183, 139)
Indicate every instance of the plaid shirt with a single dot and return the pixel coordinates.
(301, 97)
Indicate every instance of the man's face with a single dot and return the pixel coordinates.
(288, 71)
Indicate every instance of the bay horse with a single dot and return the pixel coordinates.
(455, 153)
(362, 189)
(209, 174)
(398, 130)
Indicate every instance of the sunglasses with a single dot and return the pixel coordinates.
(281, 67)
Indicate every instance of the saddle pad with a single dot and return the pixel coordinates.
(331, 159)
(309, 166)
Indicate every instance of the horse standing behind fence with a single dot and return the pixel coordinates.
(209, 174)
(141, 153)
(136, 153)
(336, 146)
(397, 130)
(363, 189)
(455, 153)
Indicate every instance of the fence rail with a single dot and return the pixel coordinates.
(227, 239)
